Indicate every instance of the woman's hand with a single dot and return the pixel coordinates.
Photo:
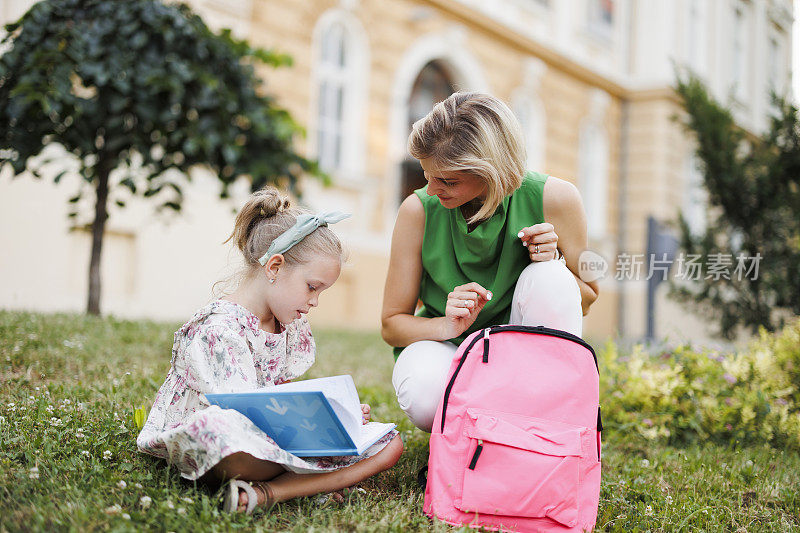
(463, 306)
(364, 413)
(541, 241)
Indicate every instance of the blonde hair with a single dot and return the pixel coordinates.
(267, 214)
(474, 133)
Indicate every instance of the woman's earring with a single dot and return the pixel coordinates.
(272, 280)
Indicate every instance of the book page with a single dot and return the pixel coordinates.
(370, 433)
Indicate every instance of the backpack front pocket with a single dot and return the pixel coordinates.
(522, 466)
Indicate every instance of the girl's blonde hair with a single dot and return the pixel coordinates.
(267, 214)
(475, 133)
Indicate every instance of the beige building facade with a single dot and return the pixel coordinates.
(589, 80)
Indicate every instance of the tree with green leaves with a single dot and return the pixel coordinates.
(753, 185)
(143, 89)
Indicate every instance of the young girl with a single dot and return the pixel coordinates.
(256, 337)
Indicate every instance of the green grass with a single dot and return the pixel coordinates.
(74, 381)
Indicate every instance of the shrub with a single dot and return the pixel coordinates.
(688, 394)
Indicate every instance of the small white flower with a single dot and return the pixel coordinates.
(170, 505)
(126, 516)
(138, 485)
(145, 502)
(55, 421)
(181, 510)
(10, 405)
(85, 453)
(66, 401)
(36, 388)
(645, 463)
(31, 398)
(33, 473)
(127, 373)
(187, 500)
(669, 499)
(121, 484)
(749, 463)
(114, 509)
(50, 409)
(107, 454)
(648, 511)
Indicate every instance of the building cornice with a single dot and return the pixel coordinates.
(556, 60)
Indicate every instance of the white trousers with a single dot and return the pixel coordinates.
(546, 294)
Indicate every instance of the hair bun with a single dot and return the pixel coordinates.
(264, 203)
(269, 201)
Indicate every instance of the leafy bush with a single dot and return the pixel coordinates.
(689, 394)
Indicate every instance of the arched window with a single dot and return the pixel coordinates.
(529, 110)
(433, 84)
(593, 172)
(530, 113)
(695, 198)
(339, 95)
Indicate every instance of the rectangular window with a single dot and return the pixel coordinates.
(740, 75)
(333, 77)
(695, 40)
(601, 18)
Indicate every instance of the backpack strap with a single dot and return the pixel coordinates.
(422, 477)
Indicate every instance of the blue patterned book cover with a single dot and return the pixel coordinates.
(312, 418)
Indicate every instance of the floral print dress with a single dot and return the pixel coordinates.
(223, 349)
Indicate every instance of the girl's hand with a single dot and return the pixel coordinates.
(541, 241)
(364, 413)
(463, 306)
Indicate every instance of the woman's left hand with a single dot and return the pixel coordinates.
(365, 413)
(541, 241)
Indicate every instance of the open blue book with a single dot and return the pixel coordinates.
(312, 418)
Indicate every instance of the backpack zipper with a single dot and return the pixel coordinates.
(499, 329)
(486, 345)
(478, 450)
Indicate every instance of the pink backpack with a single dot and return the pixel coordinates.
(515, 444)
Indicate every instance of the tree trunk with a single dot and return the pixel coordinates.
(98, 229)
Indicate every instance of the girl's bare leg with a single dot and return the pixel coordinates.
(285, 485)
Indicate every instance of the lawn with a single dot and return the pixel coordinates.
(68, 460)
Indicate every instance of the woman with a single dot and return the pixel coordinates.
(477, 246)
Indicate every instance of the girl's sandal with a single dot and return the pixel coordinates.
(231, 503)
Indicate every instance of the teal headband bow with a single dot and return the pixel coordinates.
(304, 226)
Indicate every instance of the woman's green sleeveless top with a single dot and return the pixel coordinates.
(491, 254)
